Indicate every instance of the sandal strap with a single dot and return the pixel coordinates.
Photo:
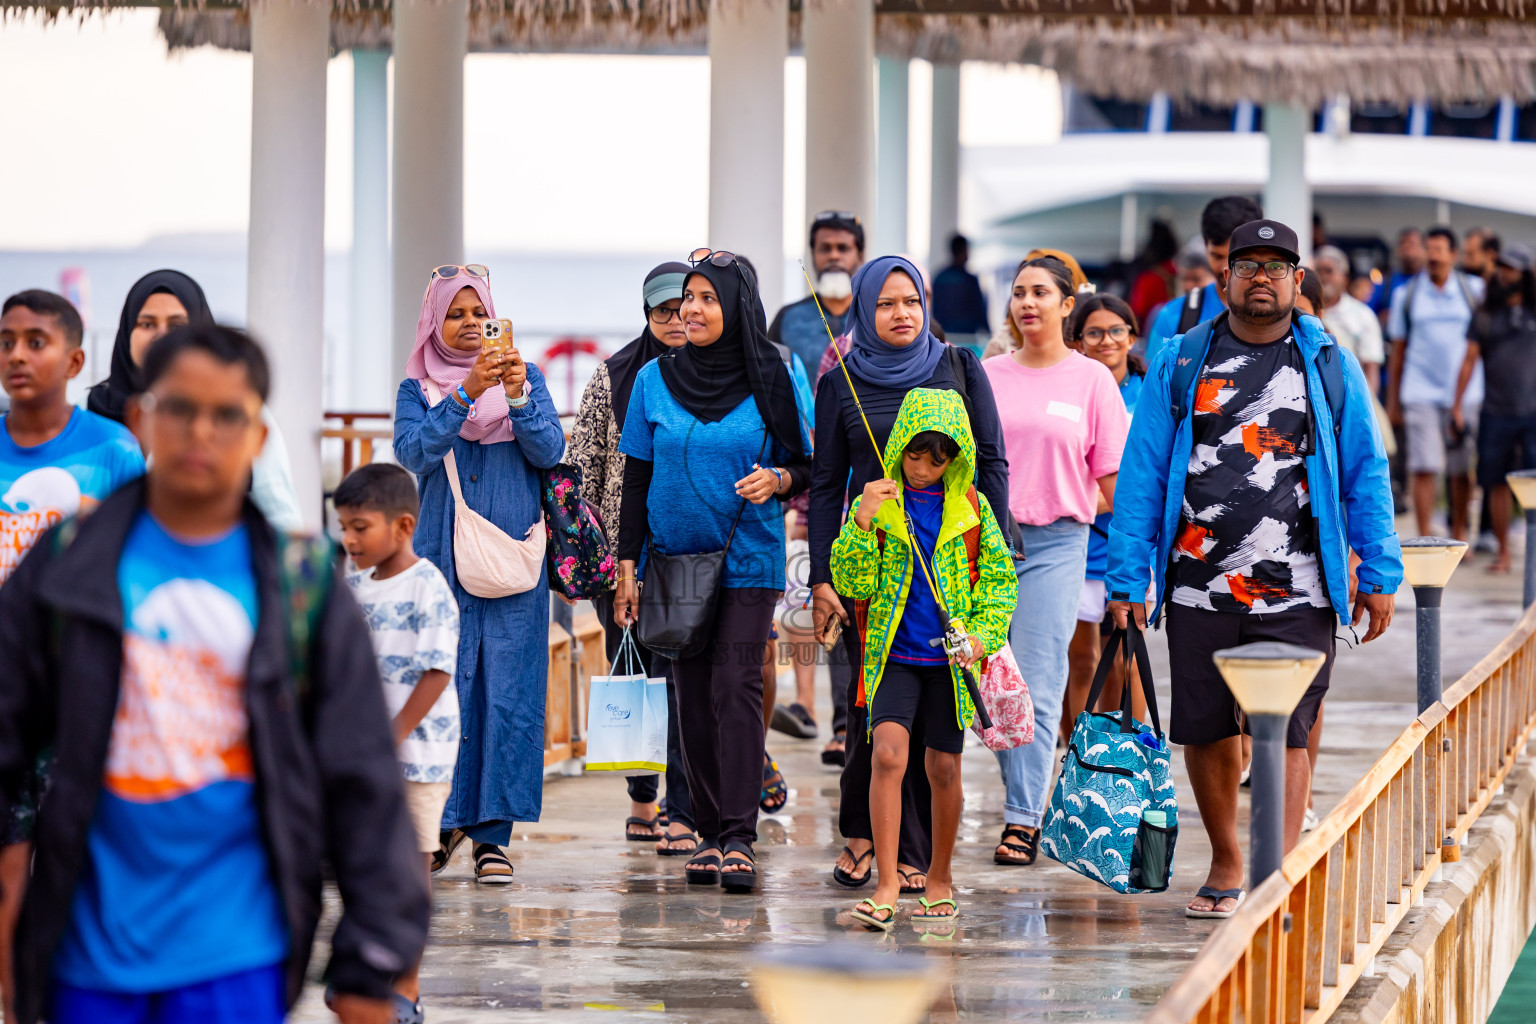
(875, 906)
(1207, 892)
(930, 904)
(709, 857)
(1027, 842)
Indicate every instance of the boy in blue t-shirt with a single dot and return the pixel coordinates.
(55, 459)
(217, 729)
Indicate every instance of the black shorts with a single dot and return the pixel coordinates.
(1204, 710)
(1504, 444)
(906, 691)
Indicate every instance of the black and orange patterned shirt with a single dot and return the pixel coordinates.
(1247, 541)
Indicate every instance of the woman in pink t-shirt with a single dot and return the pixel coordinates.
(1064, 426)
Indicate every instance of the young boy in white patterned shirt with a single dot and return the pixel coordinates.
(414, 622)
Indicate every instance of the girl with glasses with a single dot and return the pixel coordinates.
(1104, 330)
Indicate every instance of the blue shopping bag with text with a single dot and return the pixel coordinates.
(1114, 814)
(627, 717)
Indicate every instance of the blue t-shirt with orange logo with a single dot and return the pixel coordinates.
(177, 888)
(42, 484)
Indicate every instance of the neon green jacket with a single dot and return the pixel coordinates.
(861, 569)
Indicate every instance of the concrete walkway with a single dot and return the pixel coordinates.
(596, 928)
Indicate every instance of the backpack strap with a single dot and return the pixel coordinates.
(305, 567)
(1189, 314)
(1330, 367)
(1192, 348)
(1409, 291)
(957, 370)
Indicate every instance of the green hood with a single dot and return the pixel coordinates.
(944, 411)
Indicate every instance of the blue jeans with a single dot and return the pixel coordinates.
(1050, 581)
(249, 997)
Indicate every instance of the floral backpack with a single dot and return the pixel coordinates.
(581, 567)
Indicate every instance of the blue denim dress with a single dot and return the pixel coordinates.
(503, 646)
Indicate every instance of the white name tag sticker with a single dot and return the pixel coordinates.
(1066, 411)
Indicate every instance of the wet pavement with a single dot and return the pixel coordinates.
(595, 928)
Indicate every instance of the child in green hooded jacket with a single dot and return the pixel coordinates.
(923, 548)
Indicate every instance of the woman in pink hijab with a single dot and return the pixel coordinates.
(495, 414)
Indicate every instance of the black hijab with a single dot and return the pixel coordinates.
(711, 380)
(125, 379)
(626, 363)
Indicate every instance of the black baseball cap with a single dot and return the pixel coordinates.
(1264, 234)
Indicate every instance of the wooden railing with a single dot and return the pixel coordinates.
(357, 442)
(1301, 939)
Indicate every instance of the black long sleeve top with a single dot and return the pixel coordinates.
(845, 462)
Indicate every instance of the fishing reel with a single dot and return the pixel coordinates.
(955, 641)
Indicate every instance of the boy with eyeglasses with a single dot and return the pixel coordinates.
(208, 696)
(1238, 480)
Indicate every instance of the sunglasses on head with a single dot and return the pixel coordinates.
(452, 270)
(716, 257)
(842, 215)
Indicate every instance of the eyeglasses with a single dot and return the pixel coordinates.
(842, 215)
(664, 314)
(716, 257)
(451, 270)
(1275, 270)
(1117, 333)
(229, 421)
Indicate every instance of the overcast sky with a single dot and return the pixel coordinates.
(109, 142)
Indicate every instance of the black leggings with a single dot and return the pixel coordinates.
(643, 788)
(720, 711)
(916, 845)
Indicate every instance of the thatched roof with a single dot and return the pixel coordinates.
(1205, 51)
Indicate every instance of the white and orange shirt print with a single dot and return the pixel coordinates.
(43, 484)
(179, 889)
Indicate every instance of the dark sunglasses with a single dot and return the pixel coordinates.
(716, 257)
(842, 215)
(451, 270)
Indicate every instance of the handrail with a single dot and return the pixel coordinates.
(1306, 934)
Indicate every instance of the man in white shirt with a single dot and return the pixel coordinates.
(1431, 314)
(1348, 319)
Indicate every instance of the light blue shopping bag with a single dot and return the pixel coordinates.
(627, 717)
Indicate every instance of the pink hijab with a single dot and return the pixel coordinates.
(446, 367)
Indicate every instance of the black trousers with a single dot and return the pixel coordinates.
(720, 712)
(916, 844)
(643, 788)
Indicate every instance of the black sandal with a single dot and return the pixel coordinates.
(738, 881)
(835, 753)
(847, 878)
(1028, 846)
(681, 837)
(912, 890)
(447, 842)
(707, 871)
(642, 837)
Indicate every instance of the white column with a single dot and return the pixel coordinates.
(944, 208)
(840, 107)
(428, 205)
(1129, 226)
(1287, 197)
(748, 43)
(290, 44)
(890, 235)
(369, 370)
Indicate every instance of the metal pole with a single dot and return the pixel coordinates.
(1427, 629)
(1530, 558)
(1266, 835)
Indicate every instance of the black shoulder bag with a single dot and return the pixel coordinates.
(681, 593)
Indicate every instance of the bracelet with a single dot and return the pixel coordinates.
(623, 579)
(464, 397)
(779, 476)
(519, 401)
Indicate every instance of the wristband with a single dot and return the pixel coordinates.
(520, 401)
(464, 397)
(778, 476)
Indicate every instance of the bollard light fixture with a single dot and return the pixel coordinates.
(844, 981)
(1523, 483)
(1268, 678)
(1430, 561)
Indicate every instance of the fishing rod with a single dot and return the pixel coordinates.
(954, 638)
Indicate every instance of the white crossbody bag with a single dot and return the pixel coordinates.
(487, 561)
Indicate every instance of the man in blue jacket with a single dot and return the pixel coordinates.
(1245, 499)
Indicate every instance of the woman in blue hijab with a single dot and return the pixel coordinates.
(892, 350)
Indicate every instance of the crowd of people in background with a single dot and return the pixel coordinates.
(878, 465)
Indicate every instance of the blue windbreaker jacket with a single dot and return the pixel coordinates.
(1350, 490)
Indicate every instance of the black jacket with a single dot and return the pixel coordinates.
(327, 779)
(845, 462)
